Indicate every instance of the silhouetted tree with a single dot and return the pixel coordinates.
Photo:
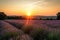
(2, 16)
(58, 16)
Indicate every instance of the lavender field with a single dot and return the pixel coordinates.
(30, 30)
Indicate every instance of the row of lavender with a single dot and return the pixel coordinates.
(36, 30)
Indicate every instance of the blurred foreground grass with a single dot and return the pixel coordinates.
(41, 33)
(33, 32)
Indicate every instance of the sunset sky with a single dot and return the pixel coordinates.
(34, 7)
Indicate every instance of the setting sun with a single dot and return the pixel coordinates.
(28, 14)
(30, 7)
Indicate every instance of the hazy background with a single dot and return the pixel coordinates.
(18, 7)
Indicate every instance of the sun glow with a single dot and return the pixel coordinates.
(28, 14)
(29, 7)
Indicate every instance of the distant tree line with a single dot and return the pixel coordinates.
(15, 17)
(4, 16)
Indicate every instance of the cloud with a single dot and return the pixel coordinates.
(53, 2)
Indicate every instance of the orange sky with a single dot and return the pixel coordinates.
(35, 7)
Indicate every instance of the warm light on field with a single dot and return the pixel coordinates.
(29, 7)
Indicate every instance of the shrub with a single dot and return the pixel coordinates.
(53, 36)
(9, 35)
(27, 29)
(39, 34)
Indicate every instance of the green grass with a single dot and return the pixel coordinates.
(9, 35)
(53, 36)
